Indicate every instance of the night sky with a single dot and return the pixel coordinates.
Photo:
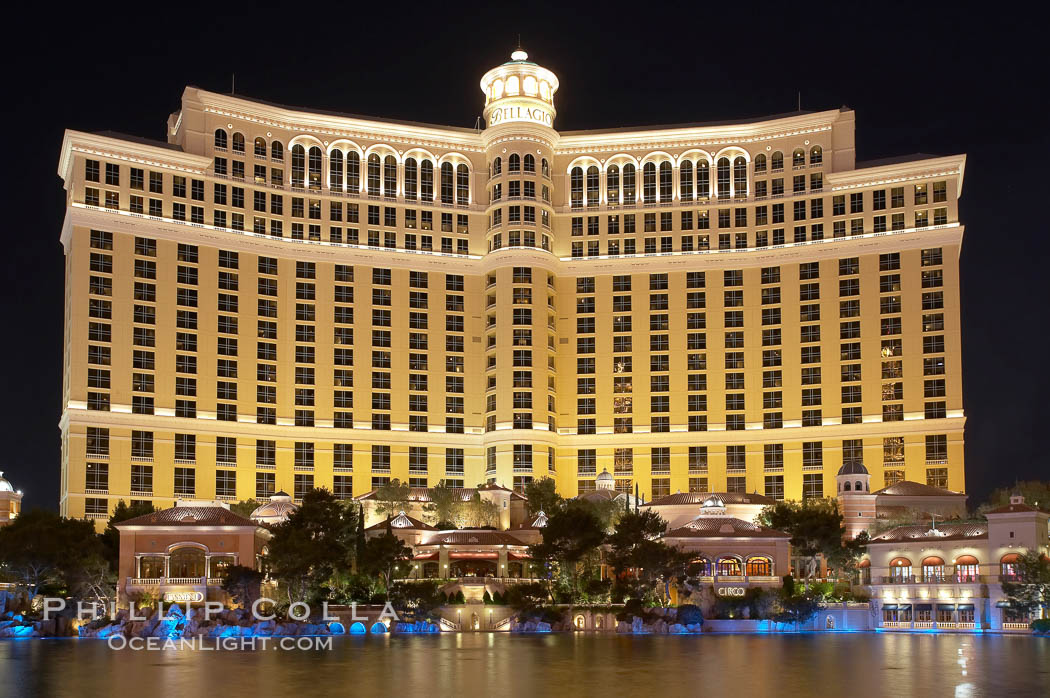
(930, 78)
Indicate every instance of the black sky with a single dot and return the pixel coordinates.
(927, 77)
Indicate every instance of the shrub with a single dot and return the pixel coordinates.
(497, 599)
(460, 599)
(1041, 625)
(487, 598)
(633, 607)
(689, 614)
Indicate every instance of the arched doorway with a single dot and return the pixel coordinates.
(475, 622)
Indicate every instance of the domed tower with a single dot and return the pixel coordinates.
(856, 502)
(520, 345)
(10, 501)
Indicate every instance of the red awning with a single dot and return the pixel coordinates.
(468, 555)
(426, 556)
(515, 556)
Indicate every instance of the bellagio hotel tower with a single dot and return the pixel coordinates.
(283, 299)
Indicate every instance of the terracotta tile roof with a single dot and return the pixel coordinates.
(401, 521)
(189, 516)
(698, 498)
(723, 527)
(907, 488)
(1013, 509)
(945, 531)
(471, 537)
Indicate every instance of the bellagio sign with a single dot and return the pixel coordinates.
(530, 113)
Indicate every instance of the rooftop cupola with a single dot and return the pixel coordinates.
(519, 91)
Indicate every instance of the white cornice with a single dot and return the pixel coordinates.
(947, 166)
(92, 144)
(697, 136)
(336, 126)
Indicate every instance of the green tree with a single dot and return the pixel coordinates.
(1030, 590)
(1036, 493)
(479, 512)
(243, 584)
(245, 508)
(542, 495)
(392, 498)
(642, 562)
(444, 508)
(815, 527)
(798, 609)
(570, 541)
(382, 557)
(111, 536)
(40, 549)
(316, 542)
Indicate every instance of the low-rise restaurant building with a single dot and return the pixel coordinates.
(948, 576)
(181, 554)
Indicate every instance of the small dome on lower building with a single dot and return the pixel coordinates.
(275, 511)
(853, 468)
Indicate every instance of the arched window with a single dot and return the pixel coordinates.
(411, 179)
(462, 185)
(933, 569)
(315, 167)
(723, 178)
(703, 180)
(612, 184)
(374, 166)
(545, 168)
(776, 161)
(514, 164)
(900, 569)
(497, 166)
(186, 562)
(276, 151)
(545, 90)
(685, 181)
(238, 142)
(530, 163)
(729, 566)
(529, 83)
(576, 187)
(798, 157)
(390, 177)
(353, 171)
(335, 170)
(260, 147)
(1009, 566)
(220, 138)
(759, 567)
(760, 162)
(298, 165)
(666, 181)
(497, 89)
(702, 567)
(649, 183)
(629, 184)
(865, 571)
(858, 486)
(447, 183)
(426, 181)
(816, 155)
(967, 569)
(847, 487)
(512, 85)
(593, 186)
(740, 177)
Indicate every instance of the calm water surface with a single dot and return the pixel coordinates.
(471, 665)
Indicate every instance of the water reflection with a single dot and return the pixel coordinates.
(859, 664)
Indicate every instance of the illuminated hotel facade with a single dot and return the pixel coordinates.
(277, 299)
